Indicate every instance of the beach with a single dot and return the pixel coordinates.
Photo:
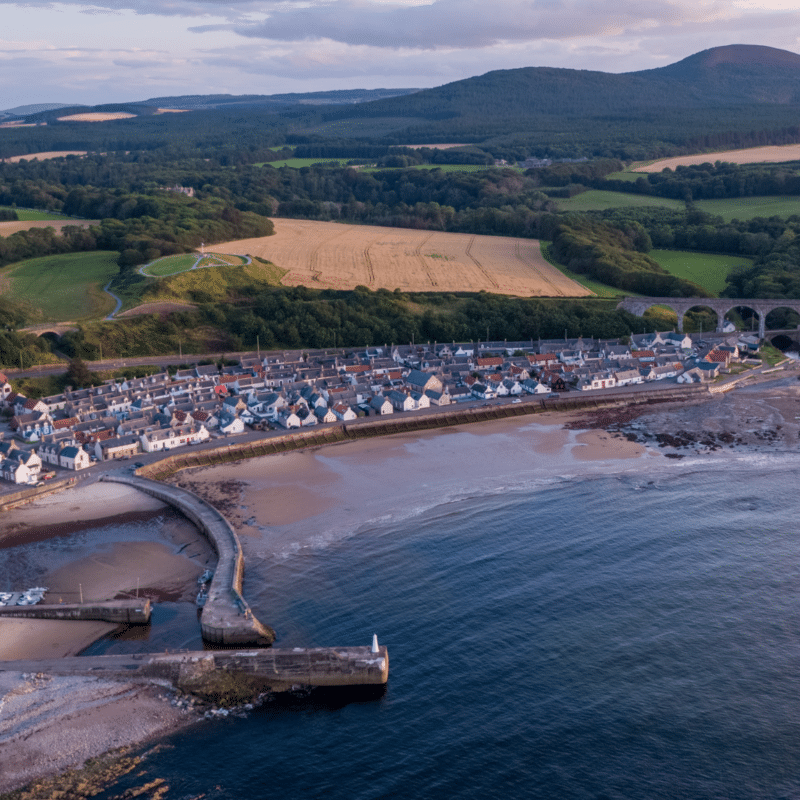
(285, 503)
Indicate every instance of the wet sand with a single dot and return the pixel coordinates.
(276, 502)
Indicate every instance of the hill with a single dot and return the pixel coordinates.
(739, 87)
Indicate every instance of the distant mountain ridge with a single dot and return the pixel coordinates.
(335, 97)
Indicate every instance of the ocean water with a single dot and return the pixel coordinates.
(628, 635)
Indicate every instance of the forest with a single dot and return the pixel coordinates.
(302, 317)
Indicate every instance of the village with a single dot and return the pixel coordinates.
(74, 430)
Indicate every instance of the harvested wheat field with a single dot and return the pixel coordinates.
(333, 256)
(751, 155)
(9, 227)
(96, 116)
(44, 156)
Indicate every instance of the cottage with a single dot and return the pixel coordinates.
(21, 467)
(381, 405)
(324, 414)
(74, 457)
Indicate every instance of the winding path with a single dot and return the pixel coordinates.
(119, 300)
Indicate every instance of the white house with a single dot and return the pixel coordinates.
(74, 457)
(400, 401)
(170, 438)
(324, 414)
(21, 467)
(344, 412)
(381, 404)
(231, 425)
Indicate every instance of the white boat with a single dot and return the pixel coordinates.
(202, 596)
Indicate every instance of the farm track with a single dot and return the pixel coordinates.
(313, 259)
(480, 266)
(421, 258)
(368, 261)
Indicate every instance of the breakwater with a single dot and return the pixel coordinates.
(211, 672)
(227, 618)
(411, 422)
(124, 612)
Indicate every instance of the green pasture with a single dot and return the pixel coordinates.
(599, 200)
(297, 163)
(749, 207)
(62, 288)
(704, 269)
(631, 177)
(30, 215)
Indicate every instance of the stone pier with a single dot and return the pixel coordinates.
(202, 672)
(226, 618)
(124, 612)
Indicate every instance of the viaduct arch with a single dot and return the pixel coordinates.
(721, 305)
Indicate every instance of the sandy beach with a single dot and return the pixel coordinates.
(283, 503)
(277, 503)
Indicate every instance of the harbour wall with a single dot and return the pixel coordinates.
(226, 618)
(207, 672)
(125, 612)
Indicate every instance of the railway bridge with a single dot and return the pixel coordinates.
(720, 305)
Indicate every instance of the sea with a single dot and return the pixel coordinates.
(630, 631)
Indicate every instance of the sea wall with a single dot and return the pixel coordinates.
(128, 612)
(25, 496)
(319, 436)
(227, 618)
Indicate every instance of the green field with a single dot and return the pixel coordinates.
(29, 215)
(62, 288)
(705, 269)
(598, 200)
(749, 207)
(297, 163)
(631, 177)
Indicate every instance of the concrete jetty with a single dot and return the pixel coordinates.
(203, 672)
(226, 618)
(125, 612)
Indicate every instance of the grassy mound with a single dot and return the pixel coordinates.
(213, 285)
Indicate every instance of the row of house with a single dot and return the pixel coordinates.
(163, 412)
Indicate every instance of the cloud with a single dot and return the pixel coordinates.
(475, 24)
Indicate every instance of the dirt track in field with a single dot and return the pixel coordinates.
(7, 228)
(334, 256)
(752, 155)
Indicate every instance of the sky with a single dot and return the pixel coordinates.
(124, 50)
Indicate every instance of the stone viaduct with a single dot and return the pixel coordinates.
(721, 305)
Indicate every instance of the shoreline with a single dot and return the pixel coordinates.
(296, 499)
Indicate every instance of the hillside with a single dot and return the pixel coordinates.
(739, 87)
